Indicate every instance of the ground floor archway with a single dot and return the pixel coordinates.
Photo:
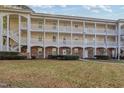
(37, 52)
(77, 51)
(64, 50)
(89, 52)
(51, 51)
(111, 52)
(101, 51)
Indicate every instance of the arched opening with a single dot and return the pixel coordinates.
(37, 51)
(51, 50)
(89, 52)
(101, 51)
(111, 52)
(64, 50)
(77, 51)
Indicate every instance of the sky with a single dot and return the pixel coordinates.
(95, 11)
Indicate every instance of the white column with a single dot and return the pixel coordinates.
(1, 30)
(71, 36)
(95, 28)
(106, 29)
(84, 39)
(116, 37)
(29, 36)
(119, 31)
(19, 32)
(58, 36)
(44, 39)
(7, 33)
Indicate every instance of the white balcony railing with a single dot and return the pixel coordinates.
(52, 28)
(37, 27)
(23, 25)
(77, 30)
(89, 30)
(100, 43)
(89, 43)
(66, 29)
(65, 42)
(100, 31)
(51, 43)
(23, 41)
(36, 42)
(111, 32)
(110, 43)
(77, 43)
(14, 35)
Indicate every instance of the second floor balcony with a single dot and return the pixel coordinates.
(69, 43)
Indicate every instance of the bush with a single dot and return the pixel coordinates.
(11, 56)
(102, 57)
(63, 57)
(3, 53)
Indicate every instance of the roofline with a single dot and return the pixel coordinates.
(63, 16)
(74, 17)
(16, 10)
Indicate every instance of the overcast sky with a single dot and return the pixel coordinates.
(95, 11)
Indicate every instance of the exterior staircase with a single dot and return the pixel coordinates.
(14, 36)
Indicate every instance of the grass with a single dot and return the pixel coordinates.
(53, 73)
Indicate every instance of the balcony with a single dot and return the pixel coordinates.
(122, 32)
(101, 43)
(111, 32)
(77, 30)
(65, 29)
(36, 42)
(89, 43)
(23, 25)
(111, 44)
(37, 27)
(77, 43)
(23, 41)
(100, 32)
(65, 43)
(50, 28)
(50, 42)
(89, 31)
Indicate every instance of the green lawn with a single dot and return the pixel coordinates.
(53, 73)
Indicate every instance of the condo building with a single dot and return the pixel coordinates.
(38, 34)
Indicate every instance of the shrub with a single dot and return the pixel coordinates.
(11, 56)
(4, 53)
(63, 57)
(102, 57)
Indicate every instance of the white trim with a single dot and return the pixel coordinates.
(58, 36)
(19, 33)
(8, 33)
(71, 35)
(29, 36)
(44, 39)
(1, 32)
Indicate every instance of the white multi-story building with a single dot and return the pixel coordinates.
(40, 35)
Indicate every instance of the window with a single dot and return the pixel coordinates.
(54, 38)
(54, 25)
(64, 40)
(76, 25)
(40, 38)
(53, 51)
(40, 23)
(76, 50)
(4, 22)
